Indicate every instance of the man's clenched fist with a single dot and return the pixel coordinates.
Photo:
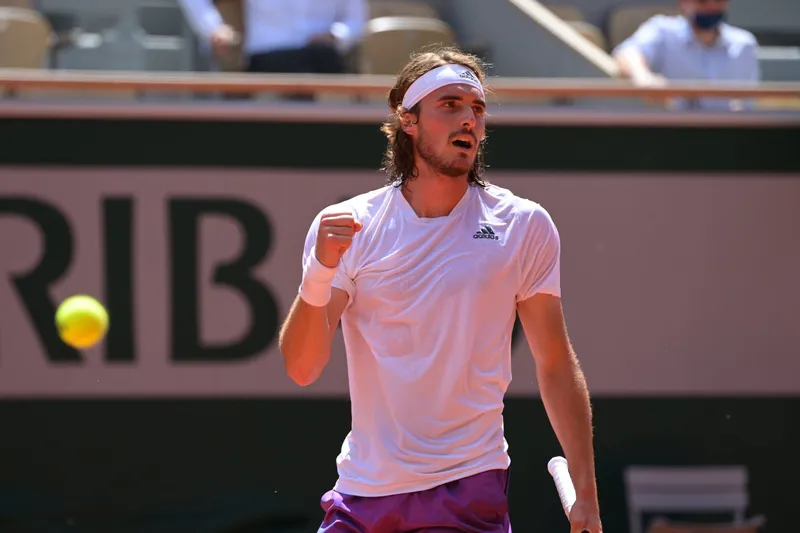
(335, 235)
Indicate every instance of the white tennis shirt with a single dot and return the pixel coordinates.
(427, 332)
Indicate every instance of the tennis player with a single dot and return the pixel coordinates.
(427, 275)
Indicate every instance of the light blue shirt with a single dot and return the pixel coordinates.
(276, 24)
(670, 47)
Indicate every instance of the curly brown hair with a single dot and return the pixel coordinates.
(398, 160)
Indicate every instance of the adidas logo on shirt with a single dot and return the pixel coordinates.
(486, 233)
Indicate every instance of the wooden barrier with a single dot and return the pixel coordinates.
(363, 85)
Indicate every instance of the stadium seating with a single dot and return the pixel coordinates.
(591, 32)
(388, 41)
(689, 490)
(395, 29)
(663, 526)
(623, 21)
(574, 17)
(394, 8)
(567, 13)
(25, 38)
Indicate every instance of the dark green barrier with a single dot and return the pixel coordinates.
(594, 148)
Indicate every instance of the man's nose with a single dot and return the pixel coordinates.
(468, 120)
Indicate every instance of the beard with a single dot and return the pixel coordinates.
(453, 167)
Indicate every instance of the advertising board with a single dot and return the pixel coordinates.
(672, 284)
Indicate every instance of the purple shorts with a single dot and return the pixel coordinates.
(475, 504)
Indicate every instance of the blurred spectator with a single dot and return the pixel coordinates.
(696, 45)
(288, 36)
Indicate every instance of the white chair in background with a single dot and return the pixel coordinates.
(686, 490)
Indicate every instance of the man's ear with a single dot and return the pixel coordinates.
(408, 123)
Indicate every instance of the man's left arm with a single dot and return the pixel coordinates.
(561, 381)
(563, 389)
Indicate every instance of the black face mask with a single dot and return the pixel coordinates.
(708, 21)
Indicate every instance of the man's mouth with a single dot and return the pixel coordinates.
(465, 144)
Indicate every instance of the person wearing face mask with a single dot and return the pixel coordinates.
(696, 45)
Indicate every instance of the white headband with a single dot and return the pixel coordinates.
(439, 77)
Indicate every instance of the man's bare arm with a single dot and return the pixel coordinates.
(563, 388)
(632, 64)
(306, 335)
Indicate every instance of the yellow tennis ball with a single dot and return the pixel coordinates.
(82, 321)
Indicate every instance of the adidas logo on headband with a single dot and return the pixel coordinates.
(468, 75)
(439, 77)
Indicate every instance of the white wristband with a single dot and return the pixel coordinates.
(317, 280)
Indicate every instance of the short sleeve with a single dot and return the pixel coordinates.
(344, 278)
(648, 39)
(541, 257)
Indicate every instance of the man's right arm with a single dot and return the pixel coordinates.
(633, 65)
(638, 55)
(306, 336)
(208, 24)
(202, 16)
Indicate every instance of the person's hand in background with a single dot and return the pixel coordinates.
(223, 39)
(326, 38)
(651, 80)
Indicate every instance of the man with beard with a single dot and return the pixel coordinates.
(427, 275)
(695, 45)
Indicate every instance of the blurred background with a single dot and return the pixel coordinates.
(168, 156)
